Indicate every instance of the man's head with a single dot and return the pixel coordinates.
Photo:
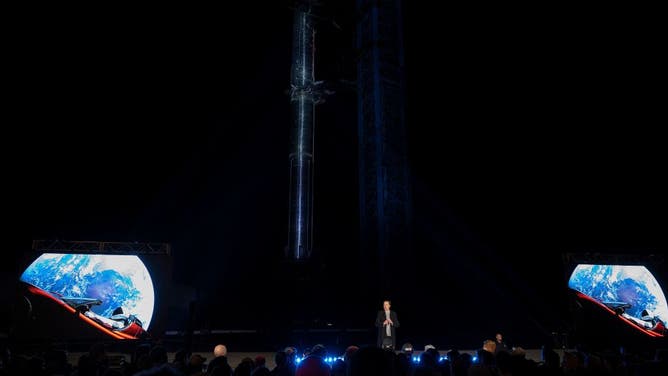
(220, 350)
(386, 305)
(319, 350)
(489, 345)
(196, 361)
(499, 338)
(350, 350)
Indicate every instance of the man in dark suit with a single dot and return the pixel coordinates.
(500, 344)
(387, 322)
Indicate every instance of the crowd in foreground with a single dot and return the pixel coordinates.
(153, 359)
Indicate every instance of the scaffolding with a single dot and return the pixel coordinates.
(113, 248)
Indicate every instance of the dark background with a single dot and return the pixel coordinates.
(531, 133)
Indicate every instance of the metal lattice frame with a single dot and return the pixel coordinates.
(649, 258)
(116, 248)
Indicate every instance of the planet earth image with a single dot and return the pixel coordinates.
(631, 284)
(116, 280)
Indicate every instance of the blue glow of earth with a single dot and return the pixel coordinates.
(117, 280)
(632, 284)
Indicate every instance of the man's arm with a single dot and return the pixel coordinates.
(395, 319)
(380, 318)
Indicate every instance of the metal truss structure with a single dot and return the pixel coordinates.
(115, 248)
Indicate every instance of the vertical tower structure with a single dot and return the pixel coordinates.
(385, 202)
(303, 98)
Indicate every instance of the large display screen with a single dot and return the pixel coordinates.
(69, 295)
(629, 291)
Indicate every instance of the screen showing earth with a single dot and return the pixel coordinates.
(632, 287)
(115, 284)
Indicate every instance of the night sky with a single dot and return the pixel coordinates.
(528, 137)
